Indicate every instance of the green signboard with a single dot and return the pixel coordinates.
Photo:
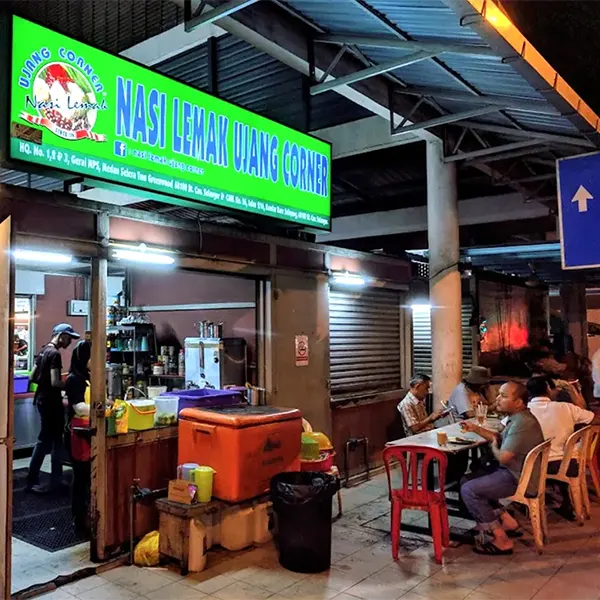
(86, 112)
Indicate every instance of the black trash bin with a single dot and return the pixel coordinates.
(302, 529)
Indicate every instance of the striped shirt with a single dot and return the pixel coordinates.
(413, 411)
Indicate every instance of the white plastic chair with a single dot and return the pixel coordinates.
(577, 442)
(536, 502)
(592, 463)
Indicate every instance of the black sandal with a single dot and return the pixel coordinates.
(515, 533)
(490, 549)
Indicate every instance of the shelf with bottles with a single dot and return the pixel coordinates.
(127, 338)
(116, 329)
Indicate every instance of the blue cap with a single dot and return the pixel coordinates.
(65, 329)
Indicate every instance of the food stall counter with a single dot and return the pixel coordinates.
(27, 421)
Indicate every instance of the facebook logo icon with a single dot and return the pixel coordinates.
(120, 148)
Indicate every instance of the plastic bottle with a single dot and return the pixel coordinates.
(261, 532)
(237, 527)
(197, 556)
(181, 364)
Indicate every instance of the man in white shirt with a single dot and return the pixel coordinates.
(558, 421)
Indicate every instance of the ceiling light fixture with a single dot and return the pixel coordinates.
(42, 257)
(421, 307)
(350, 279)
(141, 254)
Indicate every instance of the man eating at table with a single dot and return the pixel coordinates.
(416, 420)
(412, 408)
(558, 421)
(482, 490)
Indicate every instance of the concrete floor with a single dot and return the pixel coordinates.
(363, 568)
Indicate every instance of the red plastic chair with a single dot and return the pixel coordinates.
(416, 464)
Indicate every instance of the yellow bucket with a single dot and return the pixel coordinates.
(203, 478)
(140, 414)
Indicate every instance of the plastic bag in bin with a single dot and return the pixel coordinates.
(302, 487)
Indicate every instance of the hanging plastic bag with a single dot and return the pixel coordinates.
(146, 553)
(121, 416)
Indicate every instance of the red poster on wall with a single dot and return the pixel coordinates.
(301, 344)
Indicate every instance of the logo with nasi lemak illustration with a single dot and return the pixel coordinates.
(64, 95)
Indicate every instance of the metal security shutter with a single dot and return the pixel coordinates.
(467, 335)
(421, 323)
(421, 326)
(364, 341)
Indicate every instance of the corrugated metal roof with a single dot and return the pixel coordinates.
(35, 182)
(442, 21)
(111, 25)
(259, 82)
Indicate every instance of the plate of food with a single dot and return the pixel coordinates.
(461, 441)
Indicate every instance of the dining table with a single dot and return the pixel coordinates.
(429, 439)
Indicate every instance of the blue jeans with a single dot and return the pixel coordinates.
(481, 492)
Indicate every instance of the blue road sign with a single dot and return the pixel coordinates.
(579, 210)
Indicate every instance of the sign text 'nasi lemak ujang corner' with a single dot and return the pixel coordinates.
(81, 110)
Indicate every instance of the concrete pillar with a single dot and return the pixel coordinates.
(574, 314)
(444, 277)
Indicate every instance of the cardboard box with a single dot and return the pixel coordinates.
(182, 491)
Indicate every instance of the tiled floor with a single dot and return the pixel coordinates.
(363, 568)
(31, 565)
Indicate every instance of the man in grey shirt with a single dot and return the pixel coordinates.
(482, 491)
(469, 392)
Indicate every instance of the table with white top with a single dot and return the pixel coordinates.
(428, 439)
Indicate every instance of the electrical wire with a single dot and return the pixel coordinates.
(443, 270)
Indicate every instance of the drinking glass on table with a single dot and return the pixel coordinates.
(481, 414)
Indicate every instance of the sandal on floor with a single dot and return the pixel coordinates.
(515, 533)
(490, 549)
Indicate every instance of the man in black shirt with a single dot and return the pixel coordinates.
(48, 400)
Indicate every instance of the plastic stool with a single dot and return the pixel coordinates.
(351, 445)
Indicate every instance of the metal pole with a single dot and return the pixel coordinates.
(574, 312)
(444, 278)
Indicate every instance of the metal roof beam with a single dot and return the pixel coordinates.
(537, 106)
(170, 43)
(475, 211)
(495, 150)
(400, 44)
(538, 135)
(551, 249)
(208, 17)
(279, 34)
(445, 120)
(370, 72)
(364, 135)
(522, 180)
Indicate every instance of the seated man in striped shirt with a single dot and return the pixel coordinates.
(412, 409)
(416, 420)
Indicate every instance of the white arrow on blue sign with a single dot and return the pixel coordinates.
(579, 210)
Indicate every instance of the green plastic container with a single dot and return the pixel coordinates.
(310, 448)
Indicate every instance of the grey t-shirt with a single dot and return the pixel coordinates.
(522, 434)
(462, 399)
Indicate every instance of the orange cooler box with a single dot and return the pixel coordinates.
(245, 445)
